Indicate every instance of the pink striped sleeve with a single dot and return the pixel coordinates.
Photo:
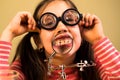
(5, 48)
(107, 59)
(16, 65)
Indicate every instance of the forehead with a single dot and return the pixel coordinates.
(57, 7)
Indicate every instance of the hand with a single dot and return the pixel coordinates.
(23, 22)
(91, 28)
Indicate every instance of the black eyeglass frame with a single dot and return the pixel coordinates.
(59, 19)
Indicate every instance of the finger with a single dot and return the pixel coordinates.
(24, 20)
(93, 19)
(28, 21)
(89, 21)
(32, 26)
(86, 19)
(96, 19)
(31, 22)
(81, 23)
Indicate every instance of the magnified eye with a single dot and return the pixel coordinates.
(71, 17)
(48, 21)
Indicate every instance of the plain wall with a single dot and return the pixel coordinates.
(107, 10)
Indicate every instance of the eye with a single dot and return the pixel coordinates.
(48, 21)
(71, 17)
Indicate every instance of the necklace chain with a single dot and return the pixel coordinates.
(82, 64)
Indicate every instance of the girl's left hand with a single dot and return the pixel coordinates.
(91, 28)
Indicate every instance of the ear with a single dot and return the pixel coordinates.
(37, 41)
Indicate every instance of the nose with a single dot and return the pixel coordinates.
(61, 28)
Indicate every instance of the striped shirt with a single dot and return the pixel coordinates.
(107, 59)
(106, 56)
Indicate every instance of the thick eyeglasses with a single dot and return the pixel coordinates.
(49, 21)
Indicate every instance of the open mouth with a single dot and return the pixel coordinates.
(62, 44)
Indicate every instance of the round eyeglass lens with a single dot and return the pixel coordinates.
(48, 21)
(71, 17)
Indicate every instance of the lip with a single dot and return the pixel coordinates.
(62, 36)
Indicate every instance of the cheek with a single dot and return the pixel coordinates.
(76, 38)
(77, 41)
(46, 39)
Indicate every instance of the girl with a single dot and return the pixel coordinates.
(70, 45)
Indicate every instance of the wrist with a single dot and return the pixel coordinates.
(7, 35)
(97, 39)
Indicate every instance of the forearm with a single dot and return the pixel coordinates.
(107, 59)
(6, 35)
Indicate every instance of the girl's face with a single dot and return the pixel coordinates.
(62, 34)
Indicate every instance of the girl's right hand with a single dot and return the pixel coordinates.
(23, 22)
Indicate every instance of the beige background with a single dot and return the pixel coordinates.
(107, 10)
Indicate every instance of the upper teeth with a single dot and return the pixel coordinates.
(62, 42)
